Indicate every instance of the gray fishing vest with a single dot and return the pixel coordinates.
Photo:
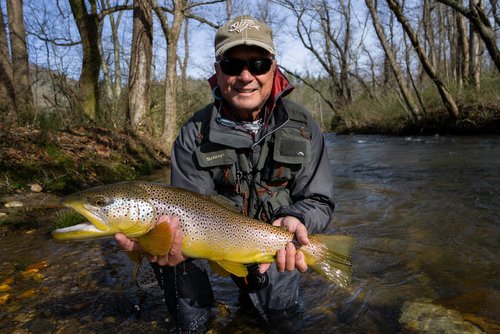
(257, 189)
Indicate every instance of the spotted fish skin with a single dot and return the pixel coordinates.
(210, 230)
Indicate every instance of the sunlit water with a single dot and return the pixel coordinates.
(424, 212)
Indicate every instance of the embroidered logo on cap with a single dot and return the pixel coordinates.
(243, 25)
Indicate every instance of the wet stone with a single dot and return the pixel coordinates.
(425, 317)
(70, 327)
(37, 326)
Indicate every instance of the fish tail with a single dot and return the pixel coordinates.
(330, 255)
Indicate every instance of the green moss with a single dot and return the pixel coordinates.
(67, 217)
(57, 156)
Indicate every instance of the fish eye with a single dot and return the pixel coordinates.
(99, 201)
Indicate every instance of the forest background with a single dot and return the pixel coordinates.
(120, 76)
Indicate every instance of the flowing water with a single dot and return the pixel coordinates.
(424, 211)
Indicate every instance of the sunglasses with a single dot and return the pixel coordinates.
(256, 66)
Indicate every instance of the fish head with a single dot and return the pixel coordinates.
(110, 209)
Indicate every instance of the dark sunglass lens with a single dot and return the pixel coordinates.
(232, 66)
(259, 66)
(255, 66)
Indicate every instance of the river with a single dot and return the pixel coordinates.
(424, 212)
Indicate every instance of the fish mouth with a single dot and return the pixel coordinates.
(97, 226)
(97, 219)
(84, 231)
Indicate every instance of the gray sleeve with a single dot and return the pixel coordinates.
(184, 167)
(312, 190)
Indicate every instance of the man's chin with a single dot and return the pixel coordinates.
(247, 108)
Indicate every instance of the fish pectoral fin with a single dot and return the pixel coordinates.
(235, 268)
(217, 268)
(158, 241)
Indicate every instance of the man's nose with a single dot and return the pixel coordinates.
(245, 74)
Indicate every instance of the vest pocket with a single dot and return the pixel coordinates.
(212, 155)
(289, 149)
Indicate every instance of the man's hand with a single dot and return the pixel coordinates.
(172, 258)
(289, 258)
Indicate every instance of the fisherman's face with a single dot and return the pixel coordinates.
(246, 92)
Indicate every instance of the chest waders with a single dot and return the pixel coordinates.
(258, 178)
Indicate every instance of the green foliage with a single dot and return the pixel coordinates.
(67, 217)
(195, 97)
(49, 121)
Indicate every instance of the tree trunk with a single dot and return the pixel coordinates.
(117, 62)
(446, 97)
(7, 92)
(428, 25)
(480, 20)
(172, 34)
(106, 83)
(138, 116)
(184, 64)
(474, 54)
(88, 28)
(20, 64)
(116, 55)
(463, 50)
(391, 58)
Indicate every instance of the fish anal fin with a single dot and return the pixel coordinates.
(158, 241)
(217, 268)
(235, 268)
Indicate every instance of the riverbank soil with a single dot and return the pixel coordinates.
(38, 166)
(473, 119)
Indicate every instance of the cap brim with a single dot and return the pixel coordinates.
(229, 45)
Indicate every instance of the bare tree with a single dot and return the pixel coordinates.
(478, 18)
(138, 116)
(462, 66)
(429, 33)
(20, 65)
(324, 28)
(172, 34)
(474, 53)
(7, 92)
(445, 94)
(112, 77)
(405, 91)
(87, 23)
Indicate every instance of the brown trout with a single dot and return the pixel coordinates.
(210, 229)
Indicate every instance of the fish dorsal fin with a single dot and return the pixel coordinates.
(217, 268)
(157, 241)
(225, 202)
(235, 268)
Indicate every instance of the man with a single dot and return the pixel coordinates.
(263, 152)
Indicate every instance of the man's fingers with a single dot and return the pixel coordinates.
(290, 257)
(263, 267)
(281, 260)
(127, 244)
(300, 261)
(301, 234)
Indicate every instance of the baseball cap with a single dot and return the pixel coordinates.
(243, 30)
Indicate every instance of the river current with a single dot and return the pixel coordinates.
(425, 215)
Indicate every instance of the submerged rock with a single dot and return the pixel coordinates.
(425, 317)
